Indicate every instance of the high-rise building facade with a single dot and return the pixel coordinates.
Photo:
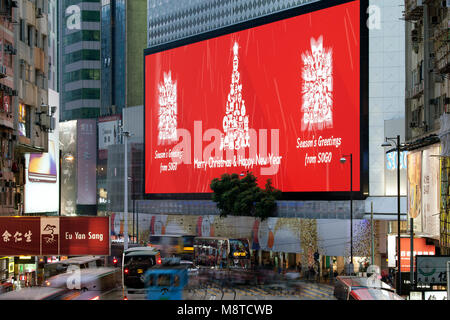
(33, 115)
(123, 40)
(53, 45)
(8, 52)
(80, 59)
(428, 115)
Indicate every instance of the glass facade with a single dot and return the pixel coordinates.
(113, 39)
(170, 20)
(106, 70)
(80, 58)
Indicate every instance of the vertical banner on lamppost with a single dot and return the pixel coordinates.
(87, 161)
(415, 187)
(430, 191)
(68, 139)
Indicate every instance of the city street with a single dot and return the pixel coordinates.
(309, 291)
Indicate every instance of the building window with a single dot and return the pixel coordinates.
(90, 55)
(30, 35)
(22, 30)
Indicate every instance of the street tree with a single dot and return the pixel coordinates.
(243, 197)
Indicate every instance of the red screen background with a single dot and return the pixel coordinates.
(270, 66)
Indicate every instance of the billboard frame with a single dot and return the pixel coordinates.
(364, 98)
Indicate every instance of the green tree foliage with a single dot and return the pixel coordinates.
(243, 197)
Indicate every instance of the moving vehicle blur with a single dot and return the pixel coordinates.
(361, 288)
(83, 262)
(166, 282)
(224, 259)
(173, 244)
(81, 284)
(135, 262)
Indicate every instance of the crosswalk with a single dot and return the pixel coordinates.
(305, 291)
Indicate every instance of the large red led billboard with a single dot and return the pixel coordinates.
(281, 99)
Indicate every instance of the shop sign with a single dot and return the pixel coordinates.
(24, 260)
(420, 248)
(415, 295)
(432, 270)
(239, 254)
(53, 236)
(435, 295)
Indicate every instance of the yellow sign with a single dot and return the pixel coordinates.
(11, 267)
(140, 271)
(239, 254)
(189, 248)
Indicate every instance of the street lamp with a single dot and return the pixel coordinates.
(125, 135)
(396, 141)
(343, 160)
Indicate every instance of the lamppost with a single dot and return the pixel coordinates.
(343, 160)
(396, 141)
(125, 135)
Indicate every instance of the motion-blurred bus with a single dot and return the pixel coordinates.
(173, 245)
(223, 259)
(84, 284)
(82, 262)
(222, 253)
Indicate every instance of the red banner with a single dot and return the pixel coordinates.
(281, 100)
(420, 248)
(85, 235)
(20, 236)
(41, 236)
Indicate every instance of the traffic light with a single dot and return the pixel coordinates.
(115, 262)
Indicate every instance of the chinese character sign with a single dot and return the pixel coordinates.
(40, 236)
(87, 161)
(19, 236)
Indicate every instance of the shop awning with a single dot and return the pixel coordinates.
(27, 148)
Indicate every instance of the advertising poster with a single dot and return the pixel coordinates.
(415, 188)
(42, 171)
(430, 192)
(281, 100)
(87, 161)
(273, 234)
(68, 138)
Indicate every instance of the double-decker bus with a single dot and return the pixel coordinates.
(173, 245)
(223, 258)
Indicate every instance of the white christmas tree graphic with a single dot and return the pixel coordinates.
(167, 125)
(317, 88)
(235, 122)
